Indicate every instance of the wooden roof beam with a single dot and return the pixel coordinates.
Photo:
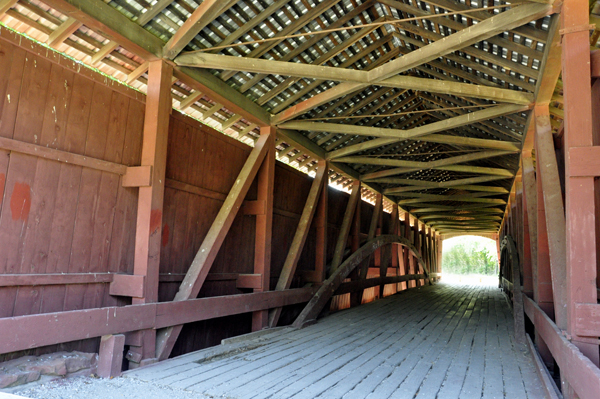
(455, 198)
(200, 59)
(463, 208)
(206, 12)
(303, 20)
(390, 136)
(6, 5)
(491, 27)
(61, 33)
(422, 165)
(399, 135)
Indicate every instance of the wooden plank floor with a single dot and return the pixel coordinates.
(442, 341)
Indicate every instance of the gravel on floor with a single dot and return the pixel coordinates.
(98, 388)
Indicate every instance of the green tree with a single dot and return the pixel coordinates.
(469, 255)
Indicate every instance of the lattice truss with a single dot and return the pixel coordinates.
(424, 101)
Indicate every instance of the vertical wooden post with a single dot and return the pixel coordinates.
(110, 359)
(439, 246)
(387, 252)
(321, 225)
(579, 191)
(356, 297)
(375, 221)
(264, 225)
(526, 244)
(417, 243)
(150, 199)
(407, 257)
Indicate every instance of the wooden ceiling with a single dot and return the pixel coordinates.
(426, 102)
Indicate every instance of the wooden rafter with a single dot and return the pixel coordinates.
(202, 16)
(315, 71)
(488, 28)
(390, 136)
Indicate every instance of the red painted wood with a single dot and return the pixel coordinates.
(587, 319)
(110, 360)
(33, 331)
(264, 226)
(576, 367)
(584, 161)
(579, 191)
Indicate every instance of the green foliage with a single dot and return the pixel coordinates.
(469, 255)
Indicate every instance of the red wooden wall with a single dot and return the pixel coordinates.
(61, 218)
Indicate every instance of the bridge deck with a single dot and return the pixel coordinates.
(443, 341)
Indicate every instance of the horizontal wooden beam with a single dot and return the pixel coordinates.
(583, 375)
(202, 59)
(26, 280)
(438, 208)
(391, 136)
(458, 89)
(33, 331)
(61, 156)
(400, 134)
(457, 198)
(490, 189)
(416, 165)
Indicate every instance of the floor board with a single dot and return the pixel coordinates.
(442, 341)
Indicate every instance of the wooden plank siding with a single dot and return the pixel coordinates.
(60, 219)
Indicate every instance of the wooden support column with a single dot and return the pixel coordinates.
(407, 257)
(150, 200)
(264, 225)
(356, 297)
(543, 277)
(387, 257)
(417, 243)
(291, 261)
(321, 225)
(196, 274)
(525, 244)
(555, 216)
(531, 242)
(110, 359)
(579, 190)
(340, 245)
(375, 219)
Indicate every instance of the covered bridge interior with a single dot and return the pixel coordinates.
(178, 172)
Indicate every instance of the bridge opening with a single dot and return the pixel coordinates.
(470, 258)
